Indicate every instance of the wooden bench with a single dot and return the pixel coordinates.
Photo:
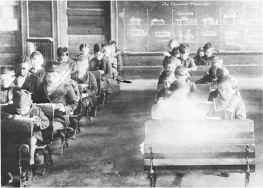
(221, 146)
(15, 145)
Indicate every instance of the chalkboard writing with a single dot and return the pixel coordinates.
(229, 26)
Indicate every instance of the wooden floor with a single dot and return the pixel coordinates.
(107, 153)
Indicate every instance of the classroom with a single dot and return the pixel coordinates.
(131, 93)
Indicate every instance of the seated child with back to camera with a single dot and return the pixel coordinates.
(181, 73)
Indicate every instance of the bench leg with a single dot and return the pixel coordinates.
(152, 179)
(248, 169)
(247, 178)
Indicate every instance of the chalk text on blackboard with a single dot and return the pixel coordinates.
(171, 3)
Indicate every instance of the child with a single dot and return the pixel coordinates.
(208, 57)
(63, 57)
(181, 73)
(54, 89)
(102, 64)
(171, 45)
(217, 62)
(167, 77)
(199, 57)
(23, 107)
(220, 74)
(228, 105)
(84, 49)
(177, 106)
(173, 50)
(37, 61)
(83, 76)
(108, 53)
(7, 78)
(210, 78)
(116, 53)
(187, 61)
(25, 79)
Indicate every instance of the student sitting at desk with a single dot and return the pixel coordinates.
(187, 61)
(208, 57)
(63, 57)
(23, 107)
(199, 57)
(177, 106)
(60, 92)
(25, 79)
(210, 78)
(220, 74)
(116, 53)
(7, 78)
(102, 64)
(181, 73)
(228, 105)
(37, 61)
(164, 84)
(83, 76)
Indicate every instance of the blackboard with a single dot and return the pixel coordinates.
(147, 26)
(40, 18)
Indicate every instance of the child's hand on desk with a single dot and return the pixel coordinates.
(101, 71)
(60, 107)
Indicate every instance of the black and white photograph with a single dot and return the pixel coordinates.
(126, 93)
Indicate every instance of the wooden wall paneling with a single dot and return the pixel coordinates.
(10, 32)
(86, 4)
(85, 31)
(85, 21)
(85, 12)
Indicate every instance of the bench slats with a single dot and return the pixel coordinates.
(200, 145)
(193, 162)
(208, 148)
(201, 168)
(197, 155)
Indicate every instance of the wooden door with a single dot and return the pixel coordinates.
(10, 32)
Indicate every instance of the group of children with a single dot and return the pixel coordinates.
(173, 86)
(56, 81)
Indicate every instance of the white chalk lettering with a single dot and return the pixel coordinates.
(185, 13)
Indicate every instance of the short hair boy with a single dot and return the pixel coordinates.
(23, 107)
(37, 61)
(7, 77)
(25, 79)
(63, 57)
(210, 78)
(181, 73)
(166, 78)
(187, 61)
